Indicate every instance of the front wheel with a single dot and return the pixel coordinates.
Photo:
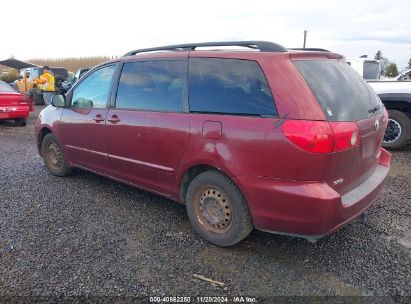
(217, 209)
(53, 156)
(398, 130)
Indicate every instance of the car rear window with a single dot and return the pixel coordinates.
(340, 90)
(229, 86)
(371, 70)
(4, 87)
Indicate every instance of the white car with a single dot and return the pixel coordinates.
(396, 97)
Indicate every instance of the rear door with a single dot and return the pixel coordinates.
(345, 97)
(147, 129)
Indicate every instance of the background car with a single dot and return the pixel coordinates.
(13, 105)
(70, 82)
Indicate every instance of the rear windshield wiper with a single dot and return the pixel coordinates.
(375, 109)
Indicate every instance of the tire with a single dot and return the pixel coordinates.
(53, 156)
(398, 131)
(217, 209)
(38, 98)
(22, 122)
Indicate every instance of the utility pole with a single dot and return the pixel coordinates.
(305, 38)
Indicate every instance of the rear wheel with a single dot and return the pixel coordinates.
(53, 156)
(217, 209)
(398, 130)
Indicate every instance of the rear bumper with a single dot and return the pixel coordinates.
(309, 209)
(14, 112)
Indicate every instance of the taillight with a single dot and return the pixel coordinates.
(322, 136)
(312, 136)
(23, 100)
(346, 135)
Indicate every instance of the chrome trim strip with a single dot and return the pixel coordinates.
(86, 150)
(141, 163)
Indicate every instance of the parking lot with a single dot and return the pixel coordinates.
(86, 235)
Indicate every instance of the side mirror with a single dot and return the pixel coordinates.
(58, 101)
(87, 103)
(82, 103)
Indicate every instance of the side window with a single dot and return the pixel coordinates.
(229, 86)
(152, 85)
(93, 91)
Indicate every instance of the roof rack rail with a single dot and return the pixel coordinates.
(310, 49)
(263, 46)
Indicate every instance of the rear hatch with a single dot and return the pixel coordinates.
(356, 116)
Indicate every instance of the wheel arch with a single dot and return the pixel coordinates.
(42, 133)
(401, 102)
(191, 172)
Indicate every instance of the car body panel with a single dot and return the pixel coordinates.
(146, 148)
(85, 138)
(14, 105)
(308, 208)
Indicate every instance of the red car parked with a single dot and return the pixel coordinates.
(13, 105)
(283, 141)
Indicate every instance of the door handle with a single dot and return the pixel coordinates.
(114, 119)
(98, 118)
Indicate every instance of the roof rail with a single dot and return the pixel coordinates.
(263, 46)
(310, 49)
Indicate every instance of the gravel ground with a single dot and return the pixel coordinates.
(86, 235)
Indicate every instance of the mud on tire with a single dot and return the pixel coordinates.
(217, 209)
(53, 156)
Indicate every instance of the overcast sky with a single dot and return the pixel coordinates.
(88, 28)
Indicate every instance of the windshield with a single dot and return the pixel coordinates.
(340, 90)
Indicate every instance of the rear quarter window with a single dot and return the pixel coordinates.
(229, 86)
(341, 91)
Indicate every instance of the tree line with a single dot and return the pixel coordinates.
(389, 69)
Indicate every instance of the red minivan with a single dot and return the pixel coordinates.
(260, 136)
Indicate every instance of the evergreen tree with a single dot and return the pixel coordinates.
(392, 70)
(378, 56)
(409, 63)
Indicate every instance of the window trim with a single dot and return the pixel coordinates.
(69, 96)
(184, 106)
(276, 115)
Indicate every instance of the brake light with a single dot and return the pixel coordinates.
(322, 136)
(23, 100)
(346, 135)
(312, 136)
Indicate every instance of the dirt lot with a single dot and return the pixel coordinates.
(86, 235)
